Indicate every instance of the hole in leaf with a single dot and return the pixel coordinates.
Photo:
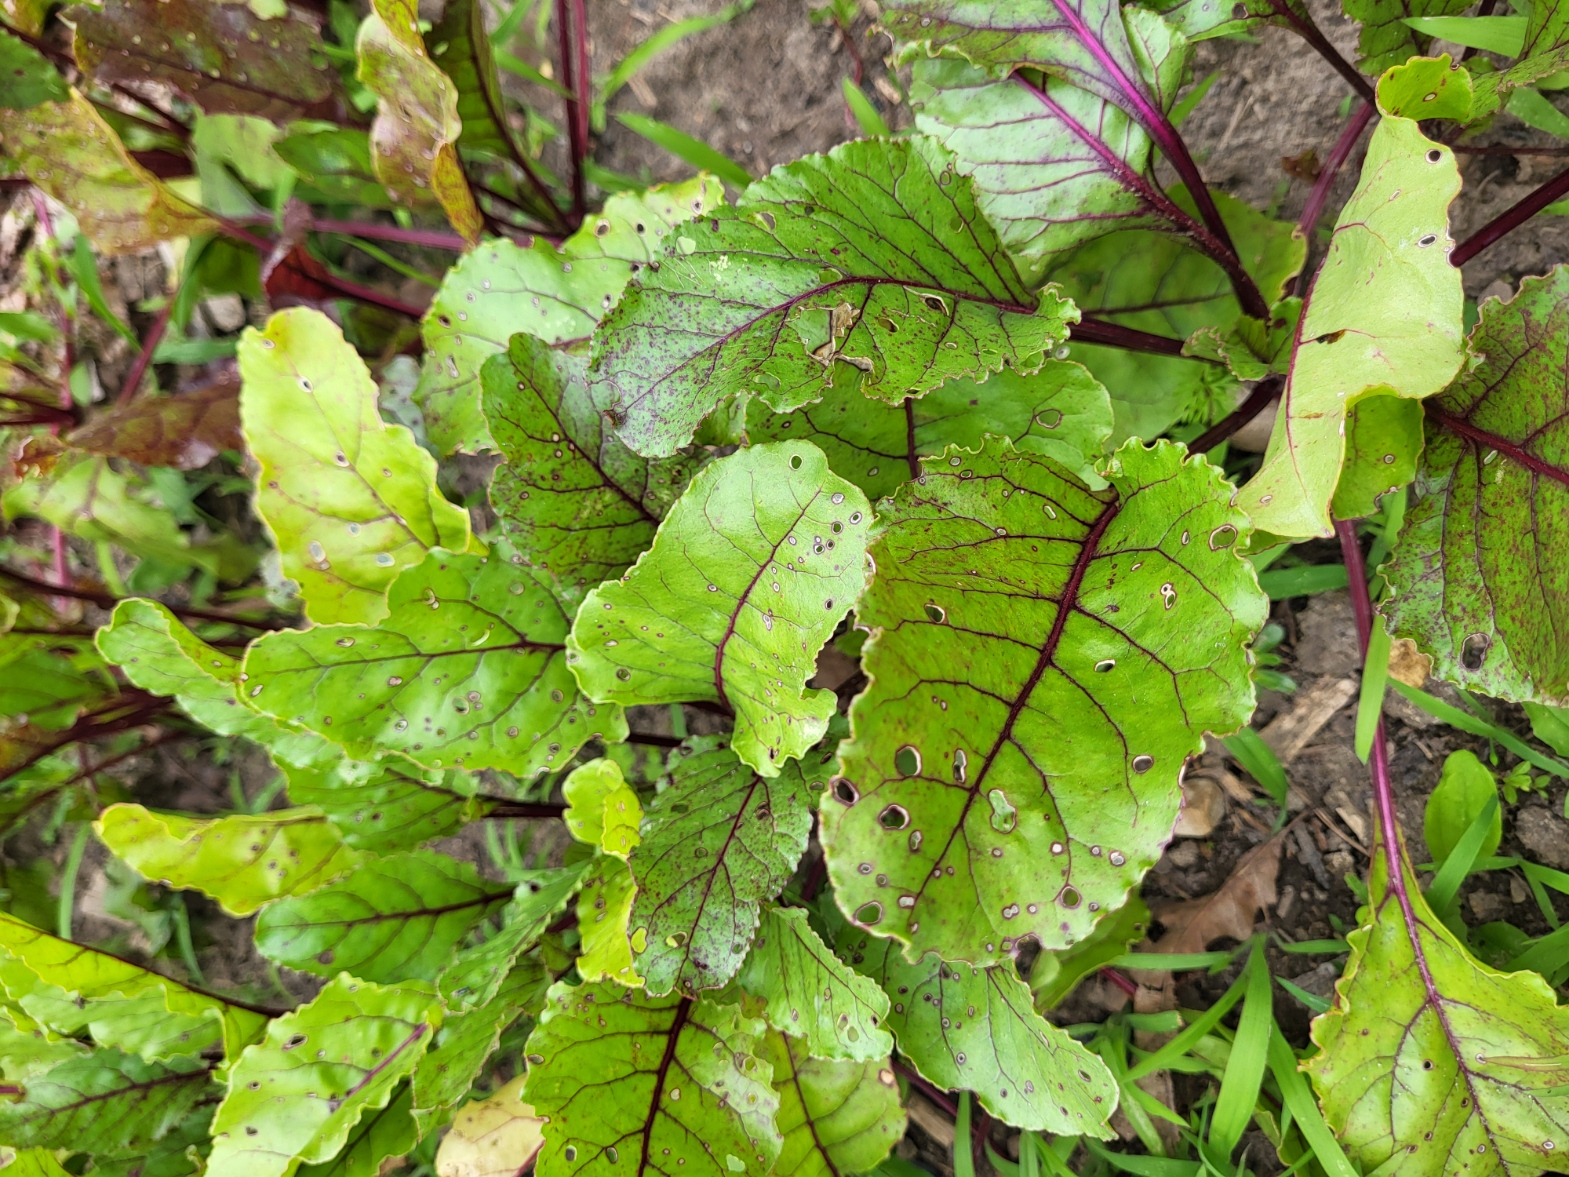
(1434, 155)
(844, 792)
(1473, 651)
(1070, 897)
(869, 913)
(1142, 764)
(936, 613)
(908, 761)
(960, 762)
(894, 817)
(795, 461)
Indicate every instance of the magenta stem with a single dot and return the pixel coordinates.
(155, 334)
(1319, 196)
(1383, 788)
(1511, 219)
(1093, 330)
(569, 33)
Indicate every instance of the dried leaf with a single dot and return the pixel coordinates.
(1228, 912)
(185, 431)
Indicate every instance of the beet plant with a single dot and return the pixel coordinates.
(719, 673)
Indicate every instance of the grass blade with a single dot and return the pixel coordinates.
(1249, 1057)
(1303, 581)
(963, 1156)
(1304, 1109)
(1375, 675)
(1446, 883)
(871, 123)
(1478, 726)
(1258, 760)
(653, 45)
(681, 145)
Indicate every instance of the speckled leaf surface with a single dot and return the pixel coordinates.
(392, 919)
(241, 860)
(1478, 577)
(468, 670)
(350, 500)
(297, 1095)
(1061, 411)
(810, 994)
(69, 151)
(638, 1084)
(717, 842)
(748, 576)
(834, 1116)
(1003, 787)
(554, 294)
(223, 57)
(185, 431)
(975, 1029)
(1432, 1063)
(579, 504)
(413, 142)
(875, 255)
(1383, 315)
(389, 804)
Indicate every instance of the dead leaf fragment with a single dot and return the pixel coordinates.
(494, 1137)
(1407, 664)
(1292, 730)
(1192, 925)
(1203, 807)
(185, 431)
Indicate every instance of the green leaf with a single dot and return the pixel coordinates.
(976, 1030)
(601, 809)
(1504, 35)
(1431, 1062)
(105, 1102)
(1127, 615)
(893, 271)
(1057, 974)
(835, 1117)
(468, 671)
(555, 295)
(1476, 578)
(1061, 411)
(866, 114)
(242, 860)
(413, 140)
(621, 1077)
(1465, 786)
(26, 76)
(1550, 725)
(395, 918)
(1387, 38)
(749, 575)
(336, 162)
(565, 465)
(810, 994)
(1383, 444)
(296, 1096)
(1383, 317)
(1534, 110)
(350, 500)
(460, 46)
(717, 841)
(604, 920)
(389, 804)
(477, 972)
(159, 653)
(386, 1132)
(223, 57)
(69, 151)
(1428, 87)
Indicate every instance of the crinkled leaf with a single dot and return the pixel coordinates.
(875, 255)
(630, 1083)
(477, 972)
(460, 45)
(835, 1117)
(26, 76)
(1478, 576)
(1383, 443)
(69, 986)
(810, 994)
(1432, 1063)
(104, 1102)
(975, 1029)
(749, 574)
(1061, 411)
(389, 804)
(296, 1096)
(467, 671)
(601, 809)
(382, 1133)
(413, 140)
(553, 294)
(393, 918)
(69, 151)
(350, 500)
(185, 431)
(579, 504)
(604, 920)
(223, 57)
(159, 653)
(1426, 87)
(241, 860)
(963, 821)
(498, 1136)
(717, 841)
(1383, 315)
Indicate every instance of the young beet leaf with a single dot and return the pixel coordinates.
(1478, 577)
(717, 842)
(748, 577)
(874, 255)
(1011, 606)
(1061, 411)
(637, 1085)
(570, 494)
(1383, 315)
(975, 1029)
(468, 670)
(297, 1095)
(604, 919)
(834, 1117)
(554, 294)
(350, 501)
